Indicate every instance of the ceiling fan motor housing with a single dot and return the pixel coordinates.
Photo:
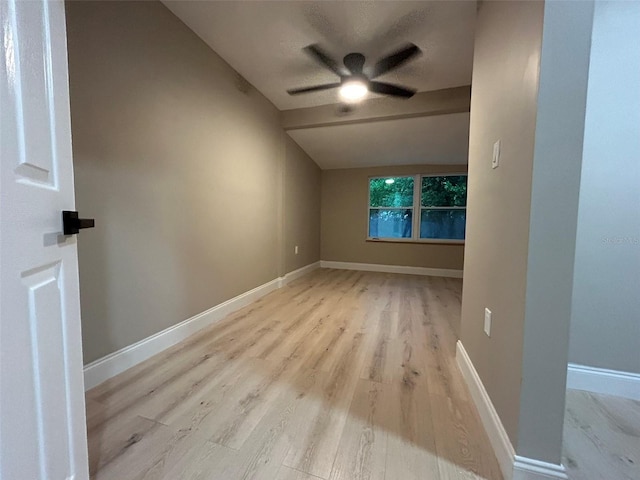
(354, 62)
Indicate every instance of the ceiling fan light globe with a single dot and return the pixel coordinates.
(353, 91)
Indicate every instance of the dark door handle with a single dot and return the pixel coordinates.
(71, 224)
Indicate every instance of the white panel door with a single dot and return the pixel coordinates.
(42, 421)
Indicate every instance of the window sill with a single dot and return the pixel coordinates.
(416, 242)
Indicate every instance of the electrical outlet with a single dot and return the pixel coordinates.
(295, 250)
(487, 322)
(495, 160)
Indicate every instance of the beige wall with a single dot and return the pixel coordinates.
(181, 163)
(508, 42)
(344, 222)
(529, 90)
(302, 208)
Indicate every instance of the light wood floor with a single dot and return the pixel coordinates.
(340, 375)
(601, 437)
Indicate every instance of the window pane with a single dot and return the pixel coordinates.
(391, 192)
(390, 223)
(444, 191)
(443, 224)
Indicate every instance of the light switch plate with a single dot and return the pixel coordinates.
(295, 250)
(495, 160)
(487, 322)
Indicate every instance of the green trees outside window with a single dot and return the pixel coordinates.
(442, 207)
(391, 207)
(444, 191)
(383, 193)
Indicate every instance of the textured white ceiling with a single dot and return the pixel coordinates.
(263, 40)
(442, 139)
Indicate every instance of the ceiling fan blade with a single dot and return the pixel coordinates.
(321, 57)
(316, 88)
(389, 89)
(395, 60)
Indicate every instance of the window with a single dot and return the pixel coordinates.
(443, 207)
(391, 207)
(423, 208)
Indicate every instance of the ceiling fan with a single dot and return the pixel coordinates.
(355, 84)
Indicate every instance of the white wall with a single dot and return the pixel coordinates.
(605, 328)
(562, 95)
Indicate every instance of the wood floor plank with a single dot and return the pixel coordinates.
(180, 449)
(411, 448)
(363, 446)
(122, 450)
(381, 360)
(208, 461)
(442, 371)
(340, 374)
(238, 416)
(287, 473)
(263, 452)
(316, 445)
(238, 422)
(193, 409)
(464, 452)
(248, 319)
(203, 359)
(601, 437)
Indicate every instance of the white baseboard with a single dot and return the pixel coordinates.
(530, 469)
(602, 380)
(373, 267)
(490, 420)
(117, 362)
(513, 467)
(291, 276)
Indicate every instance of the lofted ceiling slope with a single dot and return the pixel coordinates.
(263, 41)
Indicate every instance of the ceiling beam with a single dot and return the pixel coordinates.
(423, 104)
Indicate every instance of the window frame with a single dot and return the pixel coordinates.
(369, 208)
(415, 218)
